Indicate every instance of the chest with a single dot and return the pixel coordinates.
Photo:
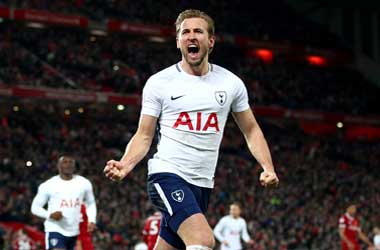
(67, 195)
(197, 96)
(234, 228)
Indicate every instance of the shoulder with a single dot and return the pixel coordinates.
(242, 220)
(51, 181)
(342, 219)
(225, 218)
(164, 75)
(82, 180)
(225, 73)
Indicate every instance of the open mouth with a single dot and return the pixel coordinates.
(193, 49)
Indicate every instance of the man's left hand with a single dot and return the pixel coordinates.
(91, 227)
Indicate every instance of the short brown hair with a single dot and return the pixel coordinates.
(190, 13)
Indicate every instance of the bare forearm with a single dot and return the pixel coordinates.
(259, 149)
(136, 150)
(364, 238)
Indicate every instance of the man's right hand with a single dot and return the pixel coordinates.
(225, 243)
(56, 215)
(115, 170)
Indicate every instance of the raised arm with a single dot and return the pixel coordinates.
(257, 145)
(135, 151)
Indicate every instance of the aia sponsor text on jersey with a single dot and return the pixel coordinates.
(70, 203)
(203, 122)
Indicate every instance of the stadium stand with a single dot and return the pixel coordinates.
(319, 175)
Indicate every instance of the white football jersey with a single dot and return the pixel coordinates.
(192, 112)
(231, 230)
(376, 241)
(65, 196)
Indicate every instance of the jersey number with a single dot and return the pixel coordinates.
(153, 227)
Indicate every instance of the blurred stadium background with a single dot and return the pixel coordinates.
(71, 75)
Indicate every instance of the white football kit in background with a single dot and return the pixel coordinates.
(231, 230)
(192, 112)
(65, 196)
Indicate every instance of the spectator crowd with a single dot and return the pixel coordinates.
(319, 176)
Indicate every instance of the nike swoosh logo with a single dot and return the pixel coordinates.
(175, 98)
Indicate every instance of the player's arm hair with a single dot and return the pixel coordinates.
(141, 141)
(254, 137)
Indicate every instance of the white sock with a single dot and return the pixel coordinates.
(197, 247)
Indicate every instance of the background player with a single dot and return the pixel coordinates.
(231, 228)
(349, 230)
(84, 240)
(151, 229)
(64, 194)
(192, 100)
(376, 238)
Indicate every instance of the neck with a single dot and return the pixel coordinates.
(66, 177)
(199, 70)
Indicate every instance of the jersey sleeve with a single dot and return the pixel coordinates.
(151, 99)
(244, 233)
(342, 223)
(90, 202)
(39, 202)
(376, 242)
(218, 230)
(240, 102)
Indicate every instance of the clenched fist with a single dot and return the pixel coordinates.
(269, 179)
(56, 215)
(115, 170)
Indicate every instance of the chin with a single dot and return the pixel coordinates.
(195, 63)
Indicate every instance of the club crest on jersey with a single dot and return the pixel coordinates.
(221, 97)
(178, 195)
(53, 242)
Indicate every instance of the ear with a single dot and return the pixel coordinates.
(211, 42)
(177, 42)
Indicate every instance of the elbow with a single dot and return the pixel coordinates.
(33, 209)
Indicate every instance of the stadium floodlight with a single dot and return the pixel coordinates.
(120, 107)
(35, 25)
(157, 39)
(98, 32)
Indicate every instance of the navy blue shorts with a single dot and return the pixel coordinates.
(177, 200)
(57, 240)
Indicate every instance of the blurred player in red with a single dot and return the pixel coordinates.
(151, 230)
(84, 241)
(22, 241)
(349, 230)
